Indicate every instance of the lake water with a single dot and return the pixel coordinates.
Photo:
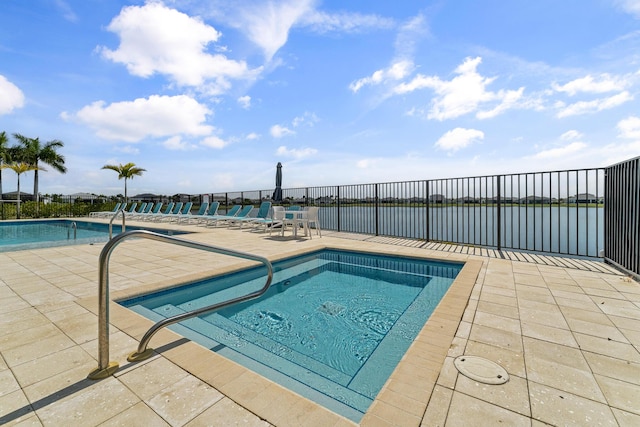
(563, 229)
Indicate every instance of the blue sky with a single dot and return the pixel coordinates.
(209, 95)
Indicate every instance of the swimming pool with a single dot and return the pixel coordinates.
(332, 327)
(21, 235)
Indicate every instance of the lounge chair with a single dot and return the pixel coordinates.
(276, 218)
(132, 208)
(105, 213)
(150, 208)
(156, 215)
(139, 211)
(211, 212)
(232, 213)
(177, 207)
(186, 218)
(263, 212)
(244, 213)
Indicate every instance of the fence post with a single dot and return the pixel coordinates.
(377, 214)
(338, 205)
(499, 214)
(428, 213)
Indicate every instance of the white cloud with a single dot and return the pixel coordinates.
(570, 135)
(629, 127)
(11, 97)
(463, 94)
(296, 153)
(459, 138)
(510, 99)
(156, 116)
(631, 7)
(323, 22)
(278, 131)
(561, 152)
(253, 136)
(408, 34)
(214, 142)
(368, 163)
(605, 83)
(245, 102)
(307, 118)
(176, 143)
(128, 149)
(396, 71)
(267, 24)
(157, 39)
(66, 10)
(594, 106)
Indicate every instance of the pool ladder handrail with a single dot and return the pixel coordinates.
(75, 230)
(118, 212)
(106, 368)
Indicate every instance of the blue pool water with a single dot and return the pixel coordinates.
(332, 327)
(20, 235)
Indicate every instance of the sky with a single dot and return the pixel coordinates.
(209, 95)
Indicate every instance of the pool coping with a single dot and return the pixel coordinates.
(402, 400)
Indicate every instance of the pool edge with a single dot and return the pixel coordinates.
(417, 372)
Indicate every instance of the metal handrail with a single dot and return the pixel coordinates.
(114, 217)
(106, 368)
(75, 230)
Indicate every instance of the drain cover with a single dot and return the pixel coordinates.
(481, 370)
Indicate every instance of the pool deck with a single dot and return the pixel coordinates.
(567, 331)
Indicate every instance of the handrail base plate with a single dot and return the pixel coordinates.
(100, 374)
(136, 357)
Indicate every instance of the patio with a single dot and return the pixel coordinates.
(567, 331)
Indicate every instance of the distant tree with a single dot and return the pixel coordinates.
(33, 152)
(4, 155)
(127, 171)
(19, 168)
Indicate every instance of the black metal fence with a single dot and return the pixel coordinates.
(585, 212)
(556, 212)
(622, 216)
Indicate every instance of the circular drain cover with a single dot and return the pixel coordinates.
(481, 370)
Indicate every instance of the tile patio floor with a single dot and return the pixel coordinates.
(567, 332)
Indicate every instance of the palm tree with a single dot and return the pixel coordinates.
(33, 152)
(20, 168)
(127, 171)
(4, 155)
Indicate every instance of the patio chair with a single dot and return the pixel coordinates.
(277, 216)
(185, 210)
(105, 213)
(298, 218)
(212, 219)
(177, 207)
(186, 218)
(312, 219)
(155, 215)
(132, 208)
(210, 213)
(243, 213)
(263, 212)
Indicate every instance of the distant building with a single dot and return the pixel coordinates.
(437, 198)
(13, 195)
(583, 198)
(146, 197)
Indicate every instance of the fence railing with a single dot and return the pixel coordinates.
(622, 216)
(556, 211)
(585, 212)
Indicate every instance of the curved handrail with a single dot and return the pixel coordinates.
(75, 230)
(114, 217)
(106, 368)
